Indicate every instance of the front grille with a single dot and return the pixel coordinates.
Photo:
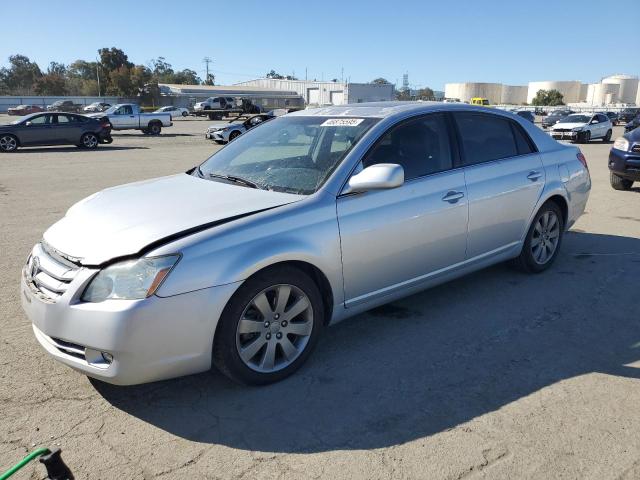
(636, 148)
(49, 273)
(561, 129)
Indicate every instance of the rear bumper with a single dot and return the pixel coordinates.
(127, 342)
(625, 164)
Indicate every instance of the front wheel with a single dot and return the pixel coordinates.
(184, 114)
(89, 140)
(607, 137)
(8, 143)
(269, 327)
(619, 183)
(233, 135)
(543, 240)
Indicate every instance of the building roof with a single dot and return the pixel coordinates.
(221, 89)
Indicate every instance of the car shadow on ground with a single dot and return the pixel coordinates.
(423, 364)
(74, 149)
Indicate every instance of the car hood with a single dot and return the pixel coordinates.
(568, 125)
(123, 220)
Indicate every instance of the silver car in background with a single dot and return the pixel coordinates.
(312, 218)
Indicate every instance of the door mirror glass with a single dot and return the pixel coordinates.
(28, 124)
(593, 122)
(381, 176)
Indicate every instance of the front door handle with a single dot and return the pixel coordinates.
(452, 196)
(533, 176)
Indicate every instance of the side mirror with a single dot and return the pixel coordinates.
(593, 122)
(28, 124)
(382, 176)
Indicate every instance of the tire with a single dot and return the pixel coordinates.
(185, 114)
(8, 143)
(619, 183)
(538, 253)
(145, 131)
(154, 128)
(607, 137)
(233, 135)
(587, 137)
(89, 141)
(261, 335)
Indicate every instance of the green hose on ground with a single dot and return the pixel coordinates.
(24, 461)
(51, 459)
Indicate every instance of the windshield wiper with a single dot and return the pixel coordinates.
(231, 178)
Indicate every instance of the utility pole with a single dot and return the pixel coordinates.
(98, 74)
(207, 61)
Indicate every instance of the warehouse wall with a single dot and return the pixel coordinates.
(325, 93)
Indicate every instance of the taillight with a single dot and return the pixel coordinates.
(105, 125)
(582, 159)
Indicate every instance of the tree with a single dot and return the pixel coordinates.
(162, 70)
(21, 75)
(210, 80)
(276, 75)
(425, 94)
(113, 58)
(403, 95)
(186, 77)
(548, 98)
(381, 81)
(56, 68)
(50, 84)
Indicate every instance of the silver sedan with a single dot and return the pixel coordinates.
(311, 218)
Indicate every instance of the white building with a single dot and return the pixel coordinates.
(627, 87)
(327, 93)
(514, 94)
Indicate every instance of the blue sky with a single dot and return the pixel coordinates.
(511, 42)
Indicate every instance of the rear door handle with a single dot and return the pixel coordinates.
(452, 196)
(533, 176)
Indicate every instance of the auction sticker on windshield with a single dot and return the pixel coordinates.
(342, 122)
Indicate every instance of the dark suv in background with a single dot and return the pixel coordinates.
(624, 161)
(628, 114)
(554, 117)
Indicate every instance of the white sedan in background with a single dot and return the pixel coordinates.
(583, 127)
(174, 111)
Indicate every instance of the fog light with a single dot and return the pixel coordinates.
(107, 357)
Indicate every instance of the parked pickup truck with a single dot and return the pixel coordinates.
(127, 116)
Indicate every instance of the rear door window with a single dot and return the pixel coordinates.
(485, 137)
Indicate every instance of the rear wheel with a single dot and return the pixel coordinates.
(607, 137)
(184, 114)
(8, 143)
(269, 327)
(619, 183)
(543, 240)
(89, 140)
(154, 128)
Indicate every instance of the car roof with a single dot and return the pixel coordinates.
(387, 109)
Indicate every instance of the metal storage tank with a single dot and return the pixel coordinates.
(628, 87)
(601, 94)
(468, 90)
(570, 90)
(514, 94)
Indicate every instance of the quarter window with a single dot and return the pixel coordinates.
(485, 137)
(420, 146)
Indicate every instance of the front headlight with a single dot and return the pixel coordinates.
(577, 129)
(621, 143)
(130, 280)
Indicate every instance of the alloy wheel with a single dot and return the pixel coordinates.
(8, 143)
(546, 236)
(274, 328)
(90, 141)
